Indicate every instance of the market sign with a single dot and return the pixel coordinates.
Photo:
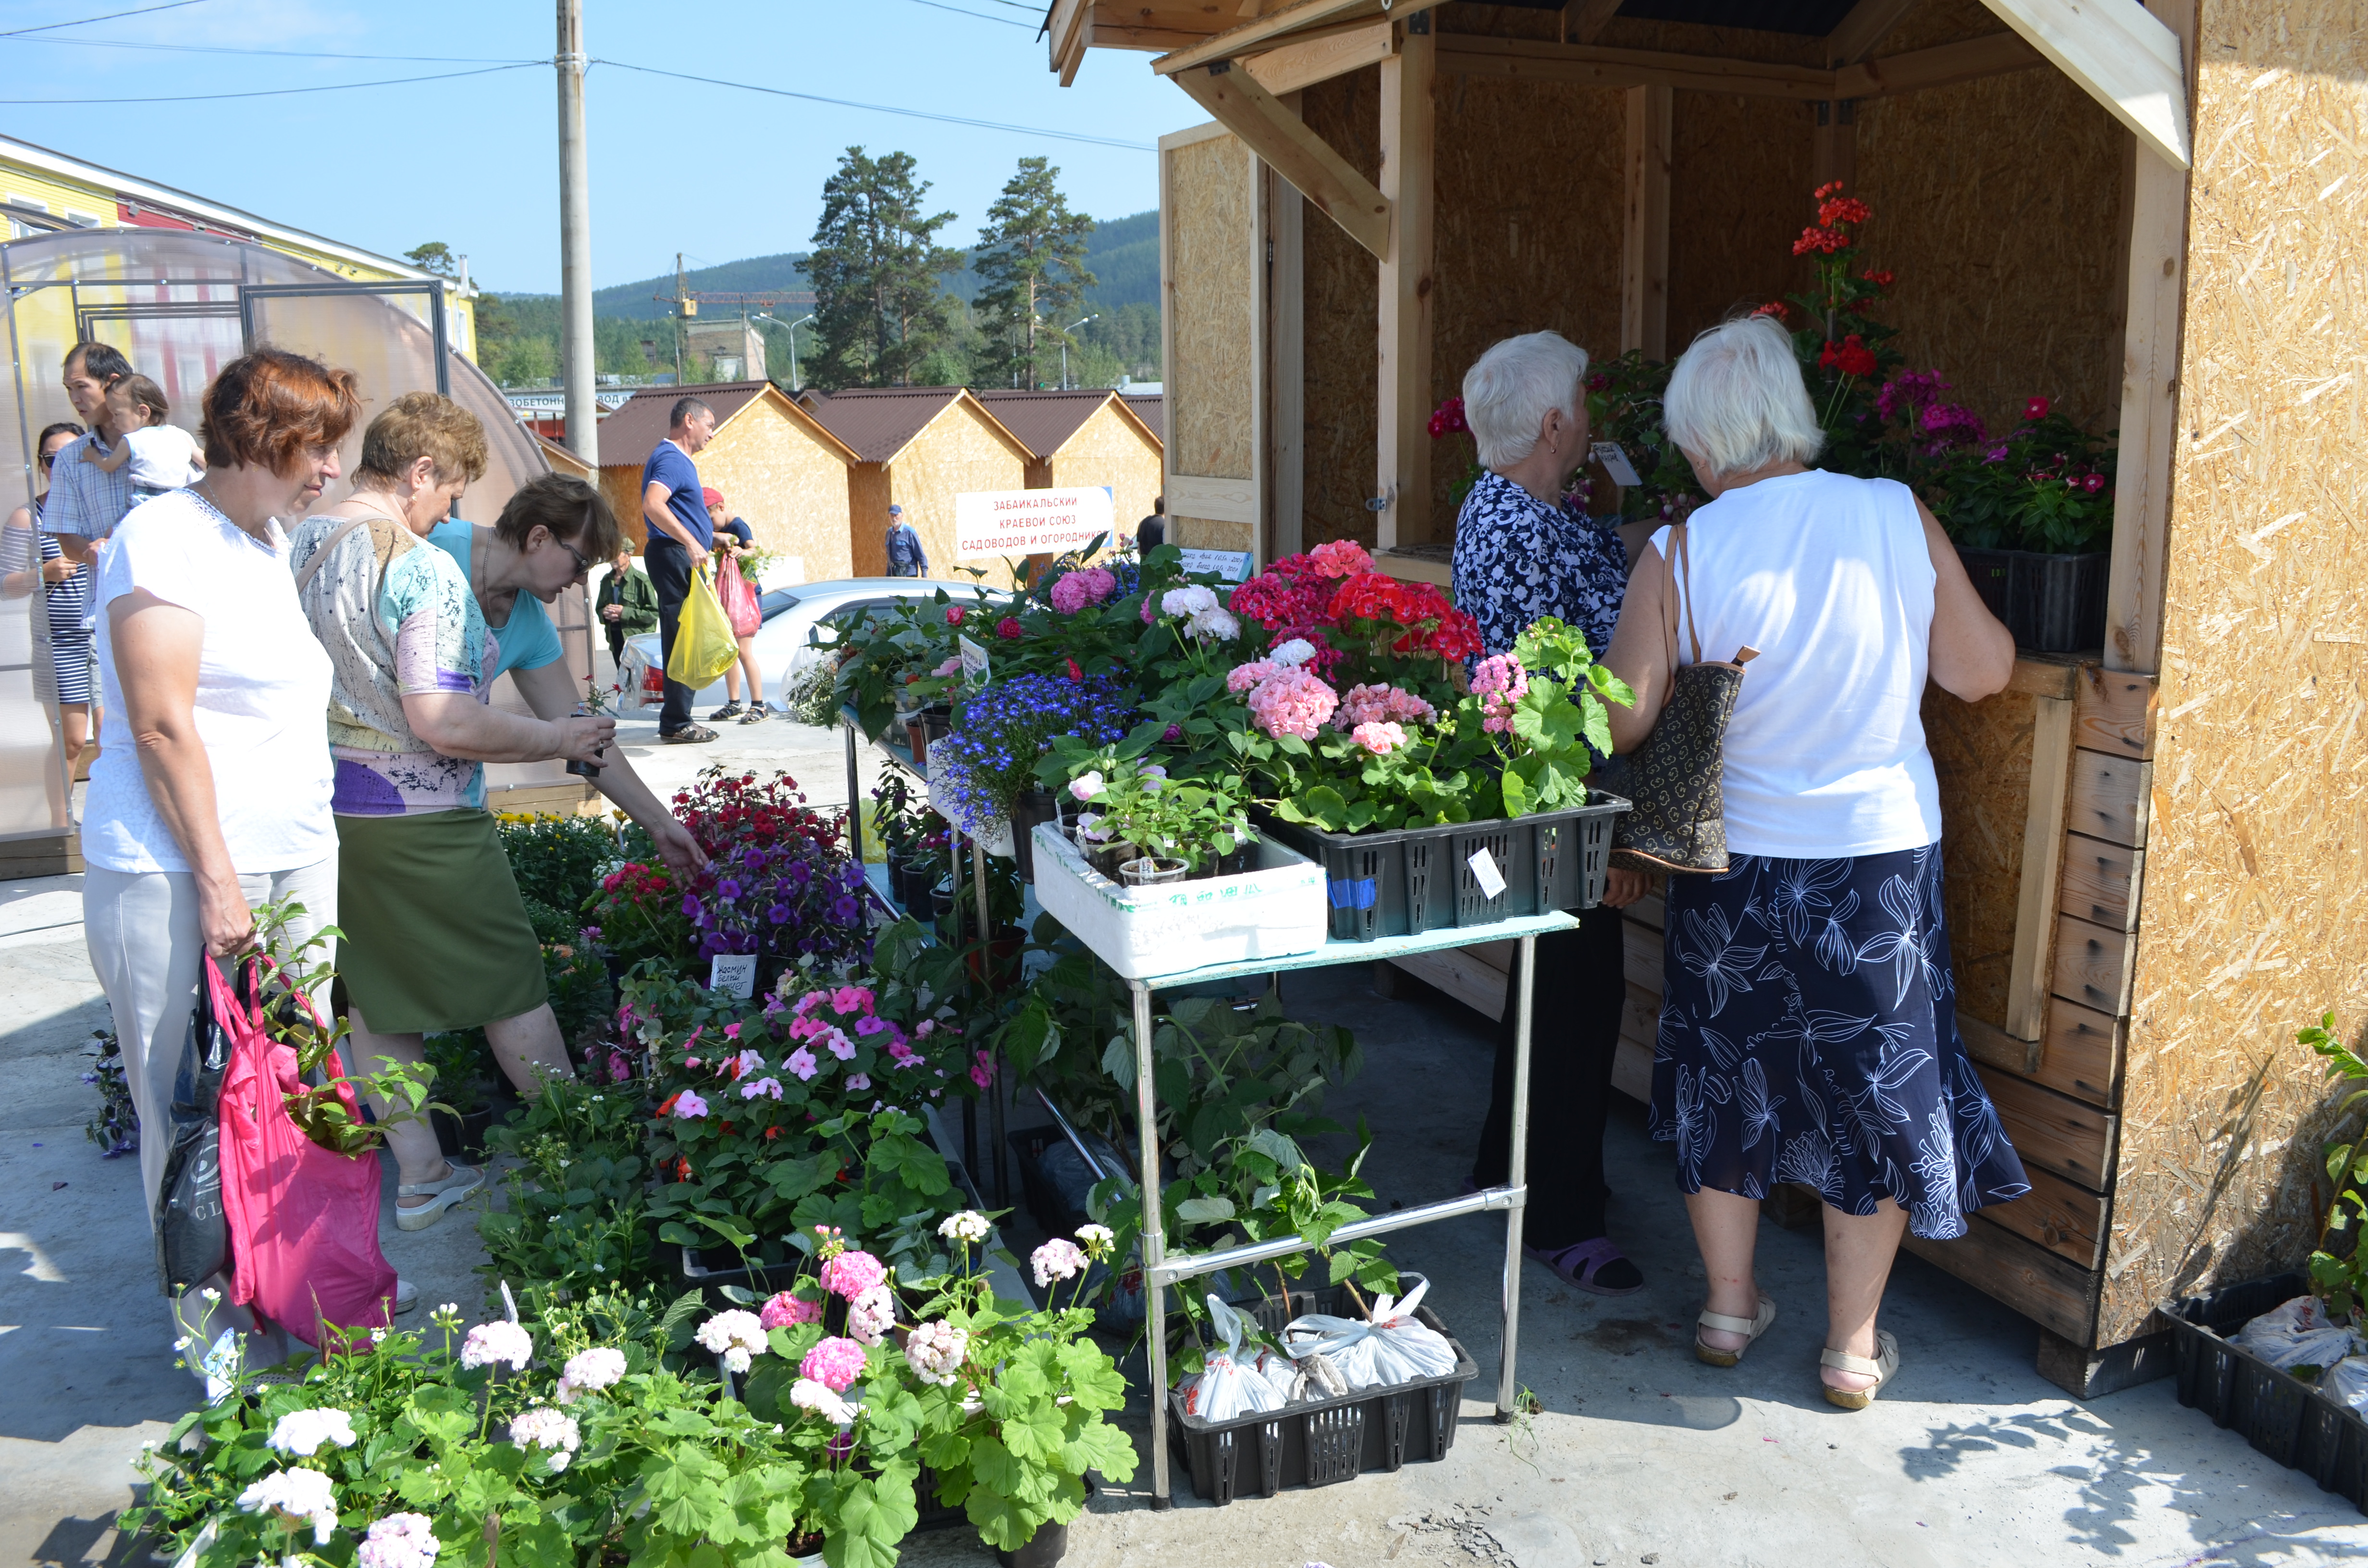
(1030, 522)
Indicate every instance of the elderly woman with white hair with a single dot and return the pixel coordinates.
(1809, 1032)
(1523, 550)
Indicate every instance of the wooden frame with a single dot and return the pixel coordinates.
(1644, 239)
(1402, 456)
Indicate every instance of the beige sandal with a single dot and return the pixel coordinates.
(1750, 1327)
(1880, 1369)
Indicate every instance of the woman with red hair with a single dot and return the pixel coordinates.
(212, 791)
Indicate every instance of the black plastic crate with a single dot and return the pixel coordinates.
(1321, 1442)
(2053, 604)
(2283, 1418)
(1415, 879)
(1041, 1185)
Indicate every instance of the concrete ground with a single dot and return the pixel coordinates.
(1641, 1456)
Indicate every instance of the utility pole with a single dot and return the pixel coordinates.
(575, 241)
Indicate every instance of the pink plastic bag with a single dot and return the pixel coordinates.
(303, 1220)
(740, 605)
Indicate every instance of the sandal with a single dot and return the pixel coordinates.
(1750, 1327)
(440, 1195)
(1581, 1262)
(1880, 1369)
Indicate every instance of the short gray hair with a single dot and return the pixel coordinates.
(1510, 389)
(686, 409)
(1737, 400)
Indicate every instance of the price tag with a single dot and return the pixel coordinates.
(1615, 463)
(734, 974)
(973, 658)
(1484, 872)
(1233, 565)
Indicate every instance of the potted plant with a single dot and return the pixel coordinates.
(1178, 827)
(466, 1111)
(999, 734)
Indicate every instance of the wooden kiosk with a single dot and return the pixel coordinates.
(2155, 851)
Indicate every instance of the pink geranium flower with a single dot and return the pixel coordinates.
(835, 1364)
(787, 1310)
(852, 1273)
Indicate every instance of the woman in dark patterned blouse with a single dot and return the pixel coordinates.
(1521, 551)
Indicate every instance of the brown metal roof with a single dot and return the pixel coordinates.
(1151, 408)
(880, 422)
(1044, 421)
(630, 435)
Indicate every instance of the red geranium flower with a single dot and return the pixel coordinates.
(1843, 209)
(1822, 242)
(1773, 308)
(1851, 357)
(1880, 280)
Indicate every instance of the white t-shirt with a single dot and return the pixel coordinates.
(262, 701)
(1831, 579)
(162, 457)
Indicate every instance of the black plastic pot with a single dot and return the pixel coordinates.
(1033, 807)
(1046, 1546)
(2053, 604)
(463, 1137)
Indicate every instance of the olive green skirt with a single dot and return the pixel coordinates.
(437, 935)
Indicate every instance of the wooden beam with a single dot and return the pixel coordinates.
(2116, 712)
(1286, 22)
(1287, 69)
(1584, 21)
(2094, 964)
(1143, 40)
(1409, 127)
(2042, 862)
(1286, 367)
(2101, 881)
(1236, 102)
(1993, 1047)
(1833, 145)
(1868, 24)
(2054, 1131)
(1064, 36)
(2149, 419)
(2046, 1287)
(1997, 55)
(2064, 1217)
(1592, 65)
(2082, 1054)
(2111, 798)
(2124, 58)
(1644, 249)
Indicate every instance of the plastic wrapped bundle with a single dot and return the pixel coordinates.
(1389, 1347)
(2302, 1333)
(1230, 1382)
(2347, 1382)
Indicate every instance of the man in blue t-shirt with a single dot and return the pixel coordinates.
(681, 534)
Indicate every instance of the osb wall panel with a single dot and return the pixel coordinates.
(1210, 293)
(1107, 449)
(2255, 912)
(790, 487)
(958, 452)
(868, 494)
(1931, 23)
(620, 485)
(1210, 533)
(1738, 198)
(1998, 204)
(1982, 752)
(1516, 254)
(1342, 325)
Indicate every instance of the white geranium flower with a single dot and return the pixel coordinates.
(489, 1343)
(304, 1431)
(1292, 654)
(735, 1336)
(298, 1496)
(967, 1226)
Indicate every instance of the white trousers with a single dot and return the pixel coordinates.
(142, 929)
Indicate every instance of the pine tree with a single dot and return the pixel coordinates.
(1032, 255)
(879, 307)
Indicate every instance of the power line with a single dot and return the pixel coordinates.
(278, 53)
(884, 108)
(272, 92)
(974, 16)
(112, 16)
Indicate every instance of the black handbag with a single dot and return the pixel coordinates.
(192, 1231)
(1676, 780)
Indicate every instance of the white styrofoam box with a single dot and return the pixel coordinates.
(1275, 911)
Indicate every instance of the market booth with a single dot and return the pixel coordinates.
(2154, 846)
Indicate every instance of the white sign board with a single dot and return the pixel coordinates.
(1030, 522)
(1233, 565)
(973, 661)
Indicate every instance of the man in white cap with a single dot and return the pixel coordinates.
(906, 557)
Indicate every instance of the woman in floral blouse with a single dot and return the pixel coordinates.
(1523, 550)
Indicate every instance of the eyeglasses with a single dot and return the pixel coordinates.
(583, 566)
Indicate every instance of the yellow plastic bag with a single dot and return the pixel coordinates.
(703, 646)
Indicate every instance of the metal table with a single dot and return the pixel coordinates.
(1160, 1270)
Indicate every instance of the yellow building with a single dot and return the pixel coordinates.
(774, 464)
(41, 191)
(919, 448)
(1086, 437)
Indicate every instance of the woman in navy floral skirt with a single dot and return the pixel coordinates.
(1523, 550)
(1808, 1032)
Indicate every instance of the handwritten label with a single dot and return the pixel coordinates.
(1615, 463)
(973, 658)
(1484, 872)
(734, 974)
(1233, 565)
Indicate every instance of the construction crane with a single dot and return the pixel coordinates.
(686, 301)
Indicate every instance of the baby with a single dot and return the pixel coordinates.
(163, 457)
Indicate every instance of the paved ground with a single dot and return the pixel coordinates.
(1642, 1455)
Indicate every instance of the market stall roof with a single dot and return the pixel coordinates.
(1045, 421)
(879, 423)
(642, 421)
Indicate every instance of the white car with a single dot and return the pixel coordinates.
(800, 623)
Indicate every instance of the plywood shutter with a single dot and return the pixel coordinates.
(1212, 265)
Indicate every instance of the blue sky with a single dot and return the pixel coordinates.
(473, 161)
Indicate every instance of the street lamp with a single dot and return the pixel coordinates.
(794, 341)
(1064, 346)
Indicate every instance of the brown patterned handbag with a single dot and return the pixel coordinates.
(1676, 780)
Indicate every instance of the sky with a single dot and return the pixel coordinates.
(472, 160)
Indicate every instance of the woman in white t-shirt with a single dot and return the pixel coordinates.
(1808, 1028)
(211, 790)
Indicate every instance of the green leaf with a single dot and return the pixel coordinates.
(1205, 1210)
